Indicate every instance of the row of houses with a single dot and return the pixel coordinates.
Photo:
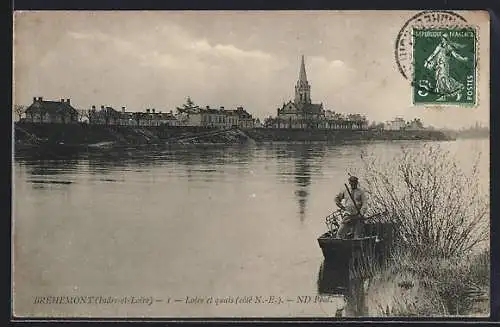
(109, 116)
(204, 117)
(341, 122)
(322, 122)
(43, 111)
(220, 118)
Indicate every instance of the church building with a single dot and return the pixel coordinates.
(301, 112)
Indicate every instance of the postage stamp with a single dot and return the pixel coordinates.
(444, 66)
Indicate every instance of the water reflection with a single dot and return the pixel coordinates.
(126, 159)
(335, 280)
(306, 160)
(209, 155)
(302, 181)
(209, 163)
(48, 165)
(202, 158)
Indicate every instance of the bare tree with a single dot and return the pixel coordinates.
(137, 117)
(269, 121)
(436, 207)
(82, 114)
(19, 111)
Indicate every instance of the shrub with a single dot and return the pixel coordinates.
(437, 209)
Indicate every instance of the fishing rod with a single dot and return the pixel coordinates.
(354, 202)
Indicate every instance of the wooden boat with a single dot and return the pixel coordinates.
(341, 250)
(374, 245)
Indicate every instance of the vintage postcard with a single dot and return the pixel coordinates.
(280, 164)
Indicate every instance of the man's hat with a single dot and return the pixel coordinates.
(353, 179)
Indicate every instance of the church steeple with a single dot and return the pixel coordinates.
(302, 74)
(302, 89)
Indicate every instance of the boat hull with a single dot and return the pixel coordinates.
(375, 246)
(342, 251)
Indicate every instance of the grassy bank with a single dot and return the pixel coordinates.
(440, 262)
(430, 286)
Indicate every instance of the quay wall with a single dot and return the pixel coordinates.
(84, 134)
(333, 136)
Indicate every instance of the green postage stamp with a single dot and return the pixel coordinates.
(444, 66)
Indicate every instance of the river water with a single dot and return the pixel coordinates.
(212, 221)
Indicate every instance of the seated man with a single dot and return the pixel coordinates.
(353, 221)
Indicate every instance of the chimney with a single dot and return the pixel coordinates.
(208, 107)
(40, 98)
(222, 107)
(62, 100)
(123, 109)
(147, 110)
(153, 111)
(34, 99)
(93, 107)
(67, 100)
(102, 107)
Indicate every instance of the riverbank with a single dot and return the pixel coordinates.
(338, 136)
(68, 136)
(430, 286)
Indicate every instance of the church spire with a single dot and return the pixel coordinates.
(302, 88)
(302, 74)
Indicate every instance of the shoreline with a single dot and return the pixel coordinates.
(32, 137)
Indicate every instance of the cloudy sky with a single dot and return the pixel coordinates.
(155, 59)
